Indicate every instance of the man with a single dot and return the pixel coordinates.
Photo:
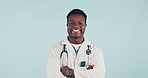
(75, 57)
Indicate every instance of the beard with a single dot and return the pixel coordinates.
(75, 37)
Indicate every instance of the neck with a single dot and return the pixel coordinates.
(76, 40)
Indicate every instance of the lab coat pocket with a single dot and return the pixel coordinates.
(82, 64)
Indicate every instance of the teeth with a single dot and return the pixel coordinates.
(76, 30)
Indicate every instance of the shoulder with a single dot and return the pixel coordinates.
(90, 43)
(94, 47)
(58, 46)
(55, 50)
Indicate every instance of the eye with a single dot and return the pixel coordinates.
(71, 23)
(81, 23)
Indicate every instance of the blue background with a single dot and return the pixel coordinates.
(29, 28)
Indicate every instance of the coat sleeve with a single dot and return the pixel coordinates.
(53, 64)
(99, 68)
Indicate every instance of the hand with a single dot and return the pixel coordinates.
(64, 70)
(90, 67)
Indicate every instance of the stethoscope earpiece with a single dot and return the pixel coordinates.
(64, 56)
(64, 50)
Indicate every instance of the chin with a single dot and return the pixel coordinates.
(76, 37)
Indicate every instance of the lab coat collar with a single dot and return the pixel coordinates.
(70, 48)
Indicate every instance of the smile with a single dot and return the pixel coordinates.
(75, 31)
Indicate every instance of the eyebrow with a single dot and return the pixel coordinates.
(79, 21)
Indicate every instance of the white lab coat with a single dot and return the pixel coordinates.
(74, 61)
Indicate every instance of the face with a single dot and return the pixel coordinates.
(76, 26)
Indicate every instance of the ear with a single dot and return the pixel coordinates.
(85, 24)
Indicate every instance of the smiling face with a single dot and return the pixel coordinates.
(76, 26)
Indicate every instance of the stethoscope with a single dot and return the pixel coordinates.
(88, 52)
(64, 56)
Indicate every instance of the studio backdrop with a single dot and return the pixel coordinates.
(29, 28)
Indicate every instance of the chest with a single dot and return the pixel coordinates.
(79, 60)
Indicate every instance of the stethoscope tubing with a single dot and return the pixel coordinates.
(88, 52)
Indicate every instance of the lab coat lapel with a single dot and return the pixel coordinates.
(83, 47)
(68, 46)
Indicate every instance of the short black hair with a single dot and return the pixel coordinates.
(77, 11)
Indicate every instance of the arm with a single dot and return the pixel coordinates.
(53, 65)
(65, 69)
(98, 70)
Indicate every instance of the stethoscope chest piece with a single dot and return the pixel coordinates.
(88, 51)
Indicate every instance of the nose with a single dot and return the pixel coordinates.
(76, 26)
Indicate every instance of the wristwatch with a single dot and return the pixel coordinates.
(69, 73)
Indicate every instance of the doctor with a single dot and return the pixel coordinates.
(75, 56)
